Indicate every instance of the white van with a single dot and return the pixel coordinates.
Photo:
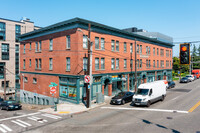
(150, 92)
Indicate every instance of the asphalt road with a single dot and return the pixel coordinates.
(177, 113)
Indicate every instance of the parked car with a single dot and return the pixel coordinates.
(190, 77)
(171, 84)
(122, 98)
(10, 105)
(1, 101)
(184, 80)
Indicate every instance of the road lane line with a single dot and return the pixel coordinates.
(52, 115)
(19, 116)
(3, 130)
(7, 128)
(158, 110)
(194, 107)
(25, 123)
(20, 124)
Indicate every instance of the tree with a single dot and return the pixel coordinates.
(198, 51)
(194, 51)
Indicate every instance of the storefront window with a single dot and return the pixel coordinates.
(68, 92)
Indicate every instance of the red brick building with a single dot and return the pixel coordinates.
(57, 54)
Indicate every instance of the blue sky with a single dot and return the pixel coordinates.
(179, 19)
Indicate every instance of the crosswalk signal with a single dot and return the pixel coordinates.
(184, 54)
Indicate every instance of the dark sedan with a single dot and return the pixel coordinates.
(171, 84)
(185, 80)
(10, 105)
(122, 98)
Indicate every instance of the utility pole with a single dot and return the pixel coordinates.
(135, 66)
(88, 67)
(4, 82)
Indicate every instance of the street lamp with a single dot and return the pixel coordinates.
(89, 66)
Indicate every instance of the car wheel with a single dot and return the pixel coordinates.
(148, 104)
(163, 97)
(1, 108)
(123, 102)
(7, 109)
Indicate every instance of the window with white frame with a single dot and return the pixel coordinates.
(85, 41)
(96, 42)
(51, 44)
(125, 47)
(29, 62)
(113, 45)
(112, 63)
(117, 63)
(102, 43)
(157, 51)
(24, 64)
(96, 63)
(40, 46)
(85, 60)
(157, 63)
(131, 47)
(140, 63)
(36, 63)
(36, 46)
(125, 63)
(117, 45)
(34, 80)
(50, 64)
(68, 42)
(102, 63)
(140, 49)
(24, 48)
(40, 64)
(68, 64)
(30, 46)
(154, 52)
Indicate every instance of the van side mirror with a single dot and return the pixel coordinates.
(150, 92)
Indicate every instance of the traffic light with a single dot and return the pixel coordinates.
(184, 54)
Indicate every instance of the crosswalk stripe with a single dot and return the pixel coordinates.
(34, 119)
(51, 116)
(7, 128)
(18, 123)
(23, 122)
(3, 130)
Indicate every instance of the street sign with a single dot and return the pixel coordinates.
(52, 90)
(87, 78)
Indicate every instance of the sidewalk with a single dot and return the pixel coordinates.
(70, 108)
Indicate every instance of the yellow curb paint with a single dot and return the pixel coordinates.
(64, 112)
(194, 107)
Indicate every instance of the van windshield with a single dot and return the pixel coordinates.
(142, 91)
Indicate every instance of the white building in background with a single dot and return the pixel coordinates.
(9, 50)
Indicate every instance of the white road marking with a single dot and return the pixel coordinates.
(51, 116)
(158, 110)
(3, 130)
(18, 123)
(19, 116)
(25, 123)
(40, 120)
(7, 128)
